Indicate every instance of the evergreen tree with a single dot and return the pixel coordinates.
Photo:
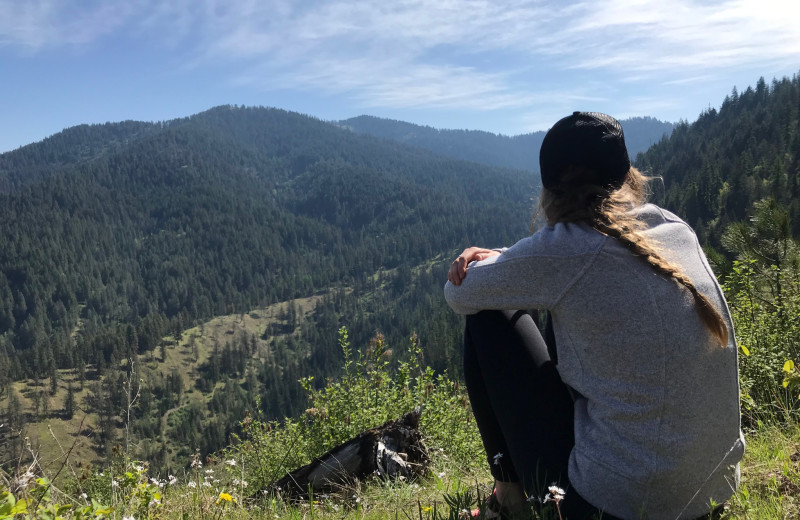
(69, 403)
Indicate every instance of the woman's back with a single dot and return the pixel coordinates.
(656, 410)
(657, 418)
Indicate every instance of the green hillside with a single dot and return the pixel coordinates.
(116, 237)
(714, 169)
(223, 211)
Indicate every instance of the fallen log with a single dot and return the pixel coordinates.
(390, 451)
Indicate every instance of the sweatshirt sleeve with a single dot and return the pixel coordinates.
(532, 274)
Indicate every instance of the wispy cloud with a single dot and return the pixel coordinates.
(37, 24)
(448, 54)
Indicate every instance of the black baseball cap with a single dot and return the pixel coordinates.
(589, 139)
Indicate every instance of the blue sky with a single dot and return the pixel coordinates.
(505, 66)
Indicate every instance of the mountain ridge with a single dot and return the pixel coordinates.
(519, 151)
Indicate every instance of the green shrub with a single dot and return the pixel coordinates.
(35, 499)
(368, 394)
(767, 326)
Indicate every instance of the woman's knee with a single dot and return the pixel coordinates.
(493, 319)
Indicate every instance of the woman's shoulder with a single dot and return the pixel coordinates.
(561, 239)
(651, 211)
(654, 216)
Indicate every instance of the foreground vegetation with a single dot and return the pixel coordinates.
(234, 483)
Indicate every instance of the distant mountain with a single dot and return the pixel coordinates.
(521, 151)
(222, 211)
(67, 148)
(116, 238)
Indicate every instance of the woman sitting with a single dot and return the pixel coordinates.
(630, 399)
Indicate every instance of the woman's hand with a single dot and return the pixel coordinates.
(458, 269)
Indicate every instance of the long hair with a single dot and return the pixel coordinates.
(608, 211)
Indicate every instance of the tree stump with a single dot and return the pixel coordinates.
(390, 451)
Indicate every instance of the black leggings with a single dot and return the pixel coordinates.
(523, 410)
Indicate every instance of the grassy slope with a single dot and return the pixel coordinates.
(770, 471)
(76, 433)
(770, 490)
(51, 435)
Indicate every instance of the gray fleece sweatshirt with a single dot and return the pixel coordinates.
(657, 426)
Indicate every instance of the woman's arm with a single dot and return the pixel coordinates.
(532, 274)
(458, 269)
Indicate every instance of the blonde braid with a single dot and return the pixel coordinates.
(608, 213)
(641, 246)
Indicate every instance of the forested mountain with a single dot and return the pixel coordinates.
(520, 151)
(714, 169)
(117, 237)
(67, 148)
(215, 213)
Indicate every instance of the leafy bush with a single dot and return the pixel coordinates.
(368, 394)
(767, 328)
(34, 498)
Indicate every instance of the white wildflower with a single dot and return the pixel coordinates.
(209, 471)
(25, 478)
(556, 491)
(191, 484)
(230, 462)
(556, 494)
(114, 483)
(84, 496)
(206, 483)
(128, 517)
(497, 457)
(173, 480)
(138, 468)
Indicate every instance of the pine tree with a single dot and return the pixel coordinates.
(53, 379)
(69, 403)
